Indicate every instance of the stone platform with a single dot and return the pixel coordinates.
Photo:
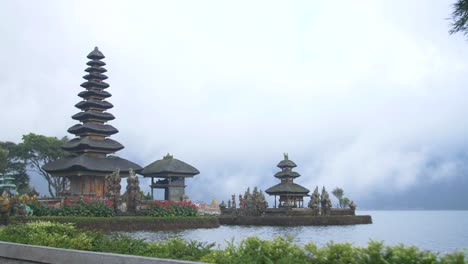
(320, 220)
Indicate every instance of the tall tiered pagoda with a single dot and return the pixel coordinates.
(90, 161)
(290, 194)
(173, 173)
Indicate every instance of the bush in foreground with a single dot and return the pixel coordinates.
(250, 250)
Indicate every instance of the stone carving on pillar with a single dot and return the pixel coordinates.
(325, 202)
(241, 202)
(113, 188)
(234, 201)
(133, 192)
(314, 203)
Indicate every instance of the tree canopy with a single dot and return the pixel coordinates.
(37, 150)
(460, 17)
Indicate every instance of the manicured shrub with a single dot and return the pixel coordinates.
(83, 206)
(49, 234)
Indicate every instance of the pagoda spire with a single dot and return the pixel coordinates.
(90, 163)
(93, 132)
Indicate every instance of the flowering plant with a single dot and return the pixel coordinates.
(172, 208)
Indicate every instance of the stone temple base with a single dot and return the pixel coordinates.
(320, 220)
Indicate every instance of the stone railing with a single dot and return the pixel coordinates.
(12, 253)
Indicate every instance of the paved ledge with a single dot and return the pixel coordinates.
(18, 253)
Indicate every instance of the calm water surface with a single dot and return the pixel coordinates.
(442, 231)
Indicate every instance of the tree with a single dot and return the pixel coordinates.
(345, 202)
(460, 17)
(3, 160)
(38, 150)
(339, 193)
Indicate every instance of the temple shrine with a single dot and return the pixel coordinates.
(290, 194)
(90, 160)
(173, 173)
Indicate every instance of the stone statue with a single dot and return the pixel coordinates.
(112, 184)
(286, 157)
(315, 200)
(352, 206)
(133, 192)
(241, 202)
(325, 202)
(229, 203)
(234, 201)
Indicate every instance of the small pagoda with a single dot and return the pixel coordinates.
(90, 161)
(7, 183)
(172, 173)
(290, 194)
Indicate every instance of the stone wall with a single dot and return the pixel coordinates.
(342, 211)
(12, 253)
(320, 220)
(283, 212)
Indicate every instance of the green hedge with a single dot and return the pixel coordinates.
(250, 250)
(129, 223)
(84, 206)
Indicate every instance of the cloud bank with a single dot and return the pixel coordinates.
(369, 95)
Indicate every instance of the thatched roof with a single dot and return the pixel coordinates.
(287, 188)
(169, 165)
(96, 54)
(107, 145)
(87, 162)
(287, 174)
(90, 114)
(79, 129)
(94, 103)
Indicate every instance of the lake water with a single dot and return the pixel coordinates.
(442, 231)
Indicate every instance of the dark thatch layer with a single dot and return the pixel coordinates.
(94, 103)
(97, 76)
(86, 162)
(287, 188)
(95, 54)
(78, 144)
(88, 93)
(91, 84)
(287, 174)
(96, 63)
(95, 69)
(80, 129)
(286, 163)
(169, 165)
(93, 115)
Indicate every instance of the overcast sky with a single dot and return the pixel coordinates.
(366, 95)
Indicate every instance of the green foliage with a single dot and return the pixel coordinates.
(177, 248)
(82, 207)
(255, 250)
(49, 234)
(250, 250)
(3, 160)
(460, 17)
(339, 193)
(38, 150)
